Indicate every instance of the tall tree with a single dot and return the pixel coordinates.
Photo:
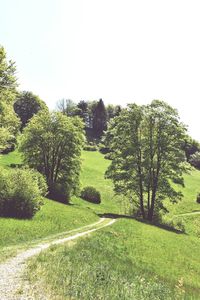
(83, 112)
(51, 144)
(27, 105)
(99, 119)
(66, 106)
(190, 146)
(113, 111)
(146, 144)
(9, 122)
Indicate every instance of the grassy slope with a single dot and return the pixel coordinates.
(11, 158)
(190, 191)
(53, 217)
(56, 217)
(93, 169)
(130, 259)
(188, 204)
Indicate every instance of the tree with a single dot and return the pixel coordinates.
(195, 160)
(27, 105)
(83, 112)
(67, 107)
(146, 144)
(113, 111)
(51, 144)
(99, 119)
(9, 123)
(190, 146)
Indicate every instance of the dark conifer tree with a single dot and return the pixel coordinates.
(99, 119)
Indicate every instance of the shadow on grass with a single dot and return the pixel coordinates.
(161, 226)
(115, 216)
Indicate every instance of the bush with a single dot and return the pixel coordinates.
(195, 160)
(198, 198)
(108, 156)
(90, 194)
(16, 165)
(104, 150)
(21, 193)
(90, 148)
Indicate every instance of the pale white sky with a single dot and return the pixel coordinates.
(120, 50)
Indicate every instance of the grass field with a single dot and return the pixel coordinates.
(190, 191)
(55, 217)
(130, 260)
(11, 158)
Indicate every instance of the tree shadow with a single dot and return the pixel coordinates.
(115, 216)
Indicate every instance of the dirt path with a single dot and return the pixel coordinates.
(189, 214)
(11, 271)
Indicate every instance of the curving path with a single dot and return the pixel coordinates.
(188, 214)
(11, 271)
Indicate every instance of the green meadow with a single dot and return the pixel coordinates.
(128, 260)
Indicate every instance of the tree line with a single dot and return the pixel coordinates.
(149, 146)
(94, 114)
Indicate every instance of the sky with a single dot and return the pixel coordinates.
(122, 51)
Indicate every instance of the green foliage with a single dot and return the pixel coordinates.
(89, 193)
(20, 193)
(66, 107)
(90, 148)
(27, 105)
(51, 144)
(108, 156)
(146, 144)
(9, 122)
(190, 146)
(195, 160)
(113, 111)
(99, 119)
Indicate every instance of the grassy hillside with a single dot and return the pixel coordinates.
(190, 191)
(55, 217)
(11, 158)
(130, 260)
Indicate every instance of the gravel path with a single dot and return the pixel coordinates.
(12, 270)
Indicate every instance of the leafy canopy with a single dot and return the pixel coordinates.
(27, 105)
(52, 143)
(146, 155)
(9, 122)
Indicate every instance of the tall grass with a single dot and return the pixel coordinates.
(130, 260)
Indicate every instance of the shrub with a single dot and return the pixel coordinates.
(21, 193)
(195, 160)
(104, 150)
(90, 194)
(108, 156)
(90, 148)
(198, 198)
(16, 165)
